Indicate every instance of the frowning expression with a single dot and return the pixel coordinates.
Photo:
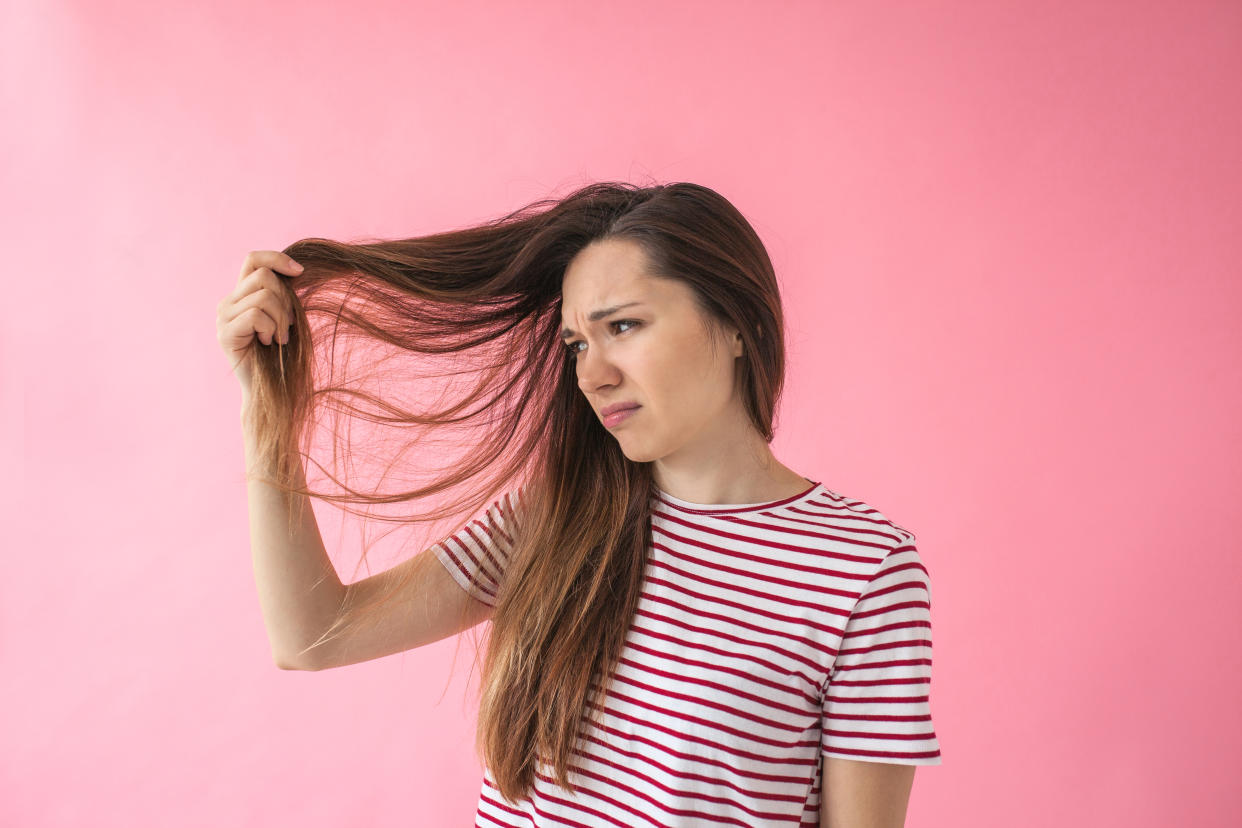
(642, 339)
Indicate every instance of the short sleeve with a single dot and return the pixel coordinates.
(477, 554)
(876, 704)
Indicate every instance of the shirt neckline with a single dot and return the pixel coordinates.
(733, 508)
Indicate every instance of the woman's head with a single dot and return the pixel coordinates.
(486, 307)
(636, 337)
(710, 338)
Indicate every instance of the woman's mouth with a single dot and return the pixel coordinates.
(613, 419)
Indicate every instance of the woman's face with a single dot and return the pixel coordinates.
(655, 353)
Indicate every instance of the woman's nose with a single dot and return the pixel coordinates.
(594, 371)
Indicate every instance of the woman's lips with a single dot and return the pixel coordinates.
(612, 419)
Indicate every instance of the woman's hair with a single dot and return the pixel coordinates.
(490, 294)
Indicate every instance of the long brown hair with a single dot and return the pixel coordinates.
(492, 292)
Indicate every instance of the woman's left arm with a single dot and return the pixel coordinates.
(864, 794)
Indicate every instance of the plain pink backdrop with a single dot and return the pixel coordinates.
(1008, 236)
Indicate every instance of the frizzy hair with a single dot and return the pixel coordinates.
(487, 298)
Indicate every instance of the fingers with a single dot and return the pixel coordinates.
(253, 323)
(256, 321)
(273, 259)
(274, 305)
(260, 305)
(262, 280)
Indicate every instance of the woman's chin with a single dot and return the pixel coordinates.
(636, 453)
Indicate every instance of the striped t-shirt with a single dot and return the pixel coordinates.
(767, 636)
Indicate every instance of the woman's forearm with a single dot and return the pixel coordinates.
(299, 591)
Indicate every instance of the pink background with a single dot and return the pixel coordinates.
(1008, 236)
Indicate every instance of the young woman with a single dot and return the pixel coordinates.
(683, 630)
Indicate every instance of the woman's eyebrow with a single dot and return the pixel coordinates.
(597, 315)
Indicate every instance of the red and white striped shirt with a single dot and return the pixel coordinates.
(767, 636)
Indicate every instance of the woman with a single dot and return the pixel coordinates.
(683, 629)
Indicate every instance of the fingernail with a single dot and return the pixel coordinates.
(297, 266)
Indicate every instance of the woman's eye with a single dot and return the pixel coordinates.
(572, 347)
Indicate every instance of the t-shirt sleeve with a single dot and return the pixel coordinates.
(477, 554)
(876, 704)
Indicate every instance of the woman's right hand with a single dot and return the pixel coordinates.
(259, 306)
